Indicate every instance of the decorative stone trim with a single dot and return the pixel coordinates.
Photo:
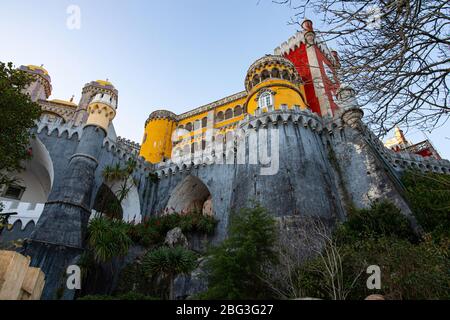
(94, 86)
(401, 161)
(63, 111)
(294, 42)
(161, 114)
(269, 60)
(212, 105)
(61, 128)
(84, 156)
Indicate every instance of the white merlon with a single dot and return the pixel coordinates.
(26, 212)
(290, 45)
(105, 99)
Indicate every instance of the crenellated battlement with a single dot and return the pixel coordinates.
(24, 212)
(122, 149)
(261, 120)
(294, 42)
(401, 161)
(59, 126)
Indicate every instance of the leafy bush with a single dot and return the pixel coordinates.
(235, 267)
(429, 197)
(154, 229)
(18, 115)
(381, 236)
(108, 238)
(408, 271)
(382, 219)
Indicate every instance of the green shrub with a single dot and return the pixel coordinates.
(429, 197)
(108, 238)
(235, 267)
(169, 262)
(382, 236)
(153, 230)
(382, 219)
(408, 271)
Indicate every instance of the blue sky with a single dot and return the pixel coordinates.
(173, 55)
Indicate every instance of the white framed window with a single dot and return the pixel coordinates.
(265, 100)
(13, 191)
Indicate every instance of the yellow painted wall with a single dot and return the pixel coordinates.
(222, 108)
(100, 115)
(157, 143)
(158, 132)
(285, 94)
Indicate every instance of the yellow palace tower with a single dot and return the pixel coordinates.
(271, 83)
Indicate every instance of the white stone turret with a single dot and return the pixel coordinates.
(102, 110)
(352, 113)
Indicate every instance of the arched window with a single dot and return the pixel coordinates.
(275, 73)
(197, 124)
(237, 111)
(204, 122)
(265, 100)
(181, 127)
(203, 144)
(293, 77)
(285, 75)
(255, 80)
(188, 126)
(228, 114)
(219, 116)
(194, 147)
(265, 75)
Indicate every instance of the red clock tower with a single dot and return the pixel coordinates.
(317, 65)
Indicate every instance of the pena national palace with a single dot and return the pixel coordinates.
(293, 140)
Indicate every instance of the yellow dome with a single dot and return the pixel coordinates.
(34, 68)
(273, 83)
(271, 67)
(67, 103)
(104, 83)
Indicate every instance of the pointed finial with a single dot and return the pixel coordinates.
(42, 65)
(71, 99)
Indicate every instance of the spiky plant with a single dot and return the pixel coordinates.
(108, 238)
(169, 262)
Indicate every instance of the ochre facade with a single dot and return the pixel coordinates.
(274, 75)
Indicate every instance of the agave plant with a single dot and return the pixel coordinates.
(108, 238)
(169, 262)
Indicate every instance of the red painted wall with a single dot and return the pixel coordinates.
(300, 59)
(331, 85)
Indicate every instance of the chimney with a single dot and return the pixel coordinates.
(307, 25)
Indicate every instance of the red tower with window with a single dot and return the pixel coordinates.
(317, 65)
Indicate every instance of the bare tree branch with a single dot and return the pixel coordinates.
(394, 53)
